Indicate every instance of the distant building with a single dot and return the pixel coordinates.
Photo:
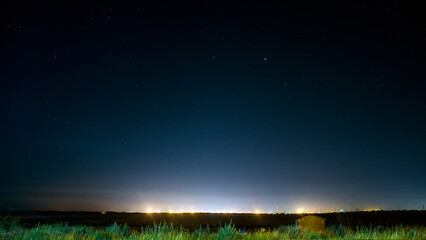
(311, 223)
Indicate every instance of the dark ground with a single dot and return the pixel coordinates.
(188, 220)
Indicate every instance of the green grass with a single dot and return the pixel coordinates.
(10, 229)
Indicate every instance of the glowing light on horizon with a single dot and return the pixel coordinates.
(194, 210)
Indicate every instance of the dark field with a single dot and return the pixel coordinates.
(194, 220)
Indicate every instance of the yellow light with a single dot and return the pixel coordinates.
(158, 211)
(170, 211)
(299, 210)
(149, 210)
(257, 211)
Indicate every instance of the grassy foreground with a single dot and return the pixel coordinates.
(11, 230)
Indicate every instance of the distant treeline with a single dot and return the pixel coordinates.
(194, 220)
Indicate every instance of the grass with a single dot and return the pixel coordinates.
(10, 229)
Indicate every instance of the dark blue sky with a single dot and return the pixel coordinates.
(212, 106)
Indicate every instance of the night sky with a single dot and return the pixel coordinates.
(212, 106)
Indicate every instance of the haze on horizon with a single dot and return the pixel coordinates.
(213, 106)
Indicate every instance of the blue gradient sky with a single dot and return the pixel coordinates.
(212, 106)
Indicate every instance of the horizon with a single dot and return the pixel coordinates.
(249, 213)
(254, 212)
